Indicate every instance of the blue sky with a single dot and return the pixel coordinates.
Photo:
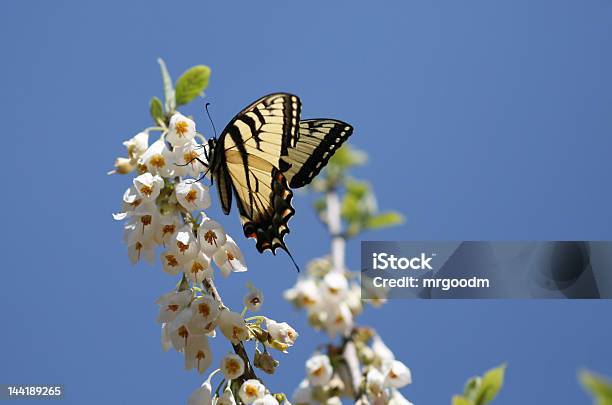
(482, 119)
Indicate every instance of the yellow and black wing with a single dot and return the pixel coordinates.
(318, 140)
(253, 144)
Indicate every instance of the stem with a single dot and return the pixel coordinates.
(334, 225)
(338, 251)
(249, 372)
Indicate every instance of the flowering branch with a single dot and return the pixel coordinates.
(165, 208)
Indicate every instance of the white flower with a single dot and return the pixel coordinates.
(181, 130)
(192, 195)
(303, 393)
(122, 166)
(211, 236)
(197, 353)
(382, 352)
(318, 370)
(168, 226)
(254, 299)
(170, 262)
(398, 375)
(178, 331)
(170, 304)
(229, 258)
(202, 395)
(205, 311)
(185, 244)
(232, 366)
(375, 382)
(305, 294)
(281, 331)
(189, 159)
(137, 145)
(251, 390)
(148, 186)
(157, 159)
(139, 246)
(227, 398)
(233, 326)
(266, 400)
(198, 268)
(335, 286)
(339, 320)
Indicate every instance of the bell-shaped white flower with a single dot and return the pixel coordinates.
(266, 400)
(157, 159)
(148, 186)
(303, 393)
(185, 244)
(382, 352)
(398, 375)
(254, 299)
(318, 370)
(281, 331)
(375, 382)
(192, 195)
(182, 130)
(170, 262)
(170, 304)
(179, 331)
(304, 294)
(205, 311)
(140, 246)
(229, 258)
(334, 286)
(339, 320)
(169, 225)
(137, 145)
(250, 390)
(233, 326)
(232, 366)
(227, 398)
(211, 236)
(197, 353)
(190, 159)
(198, 268)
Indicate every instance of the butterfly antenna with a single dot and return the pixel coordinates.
(211, 121)
(291, 257)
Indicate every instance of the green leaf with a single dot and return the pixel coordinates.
(357, 188)
(599, 387)
(491, 383)
(471, 387)
(168, 89)
(191, 84)
(459, 400)
(384, 220)
(346, 157)
(157, 110)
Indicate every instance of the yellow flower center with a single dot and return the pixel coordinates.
(196, 267)
(172, 307)
(147, 190)
(211, 237)
(181, 127)
(191, 196)
(171, 260)
(204, 309)
(232, 366)
(158, 161)
(182, 247)
(251, 390)
(318, 372)
(190, 156)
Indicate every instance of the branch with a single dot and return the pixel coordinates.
(338, 251)
(249, 372)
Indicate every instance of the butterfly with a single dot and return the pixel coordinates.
(262, 154)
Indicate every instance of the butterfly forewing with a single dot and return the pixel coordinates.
(318, 140)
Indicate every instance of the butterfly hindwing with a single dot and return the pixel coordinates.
(317, 142)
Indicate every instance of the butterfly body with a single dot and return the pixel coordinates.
(262, 153)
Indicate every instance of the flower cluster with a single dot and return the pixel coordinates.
(381, 375)
(331, 298)
(164, 214)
